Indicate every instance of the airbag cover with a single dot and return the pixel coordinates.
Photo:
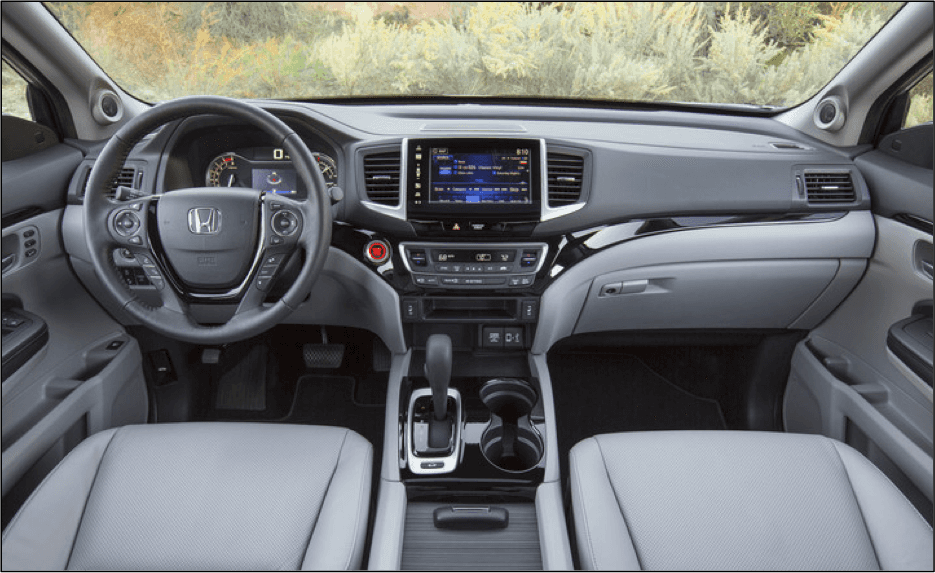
(209, 235)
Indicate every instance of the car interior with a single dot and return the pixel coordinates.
(442, 333)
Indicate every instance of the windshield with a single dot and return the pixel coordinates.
(760, 53)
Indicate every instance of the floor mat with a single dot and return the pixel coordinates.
(603, 393)
(330, 401)
(243, 386)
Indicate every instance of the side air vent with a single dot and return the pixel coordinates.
(565, 177)
(128, 177)
(381, 177)
(822, 188)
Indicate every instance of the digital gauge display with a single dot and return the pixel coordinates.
(265, 169)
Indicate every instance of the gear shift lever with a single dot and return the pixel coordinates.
(438, 372)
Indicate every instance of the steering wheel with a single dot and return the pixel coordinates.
(206, 247)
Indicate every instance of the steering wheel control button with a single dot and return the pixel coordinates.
(285, 223)
(275, 240)
(126, 223)
(138, 241)
(377, 252)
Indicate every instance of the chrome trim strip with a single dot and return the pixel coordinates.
(548, 213)
(449, 462)
(399, 211)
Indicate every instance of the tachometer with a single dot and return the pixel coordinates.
(329, 169)
(224, 171)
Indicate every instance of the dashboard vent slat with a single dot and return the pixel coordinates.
(128, 177)
(822, 188)
(565, 177)
(381, 177)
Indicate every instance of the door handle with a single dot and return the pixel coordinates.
(926, 268)
(8, 262)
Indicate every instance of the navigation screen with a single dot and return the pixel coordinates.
(488, 177)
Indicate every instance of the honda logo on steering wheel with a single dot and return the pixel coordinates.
(204, 221)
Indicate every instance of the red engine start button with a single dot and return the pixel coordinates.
(377, 252)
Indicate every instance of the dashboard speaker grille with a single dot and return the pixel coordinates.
(565, 176)
(381, 177)
(829, 187)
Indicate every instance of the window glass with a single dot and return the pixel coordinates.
(760, 54)
(14, 94)
(920, 103)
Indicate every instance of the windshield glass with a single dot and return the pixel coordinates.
(761, 53)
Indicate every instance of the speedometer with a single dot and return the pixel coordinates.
(224, 171)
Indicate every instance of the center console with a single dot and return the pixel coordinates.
(473, 475)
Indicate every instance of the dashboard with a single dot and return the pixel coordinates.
(545, 222)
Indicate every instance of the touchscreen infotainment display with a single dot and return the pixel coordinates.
(488, 177)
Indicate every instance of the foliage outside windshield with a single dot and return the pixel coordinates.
(764, 53)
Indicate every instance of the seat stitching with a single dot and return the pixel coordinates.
(623, 514)
(334, 470)
(90, 491)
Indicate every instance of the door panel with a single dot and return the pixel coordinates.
(846, 380)
(87, 376)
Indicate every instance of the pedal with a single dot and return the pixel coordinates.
(323, 355)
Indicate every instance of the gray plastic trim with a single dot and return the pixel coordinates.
(863, 399)
(851, 237)
(539, 368)
(893, 51)
(115, 395)
(887, 293)
(393, 445)
(553, 535)
(347, 293)
(386, 547)
(35, 33)
(849, 273)
(712, 294)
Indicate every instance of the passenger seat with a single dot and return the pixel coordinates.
(739, 501)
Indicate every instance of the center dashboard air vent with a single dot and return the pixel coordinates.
(829, 187)
(565, 178)
(381, 177)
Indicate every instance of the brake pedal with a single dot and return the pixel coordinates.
(323, 355)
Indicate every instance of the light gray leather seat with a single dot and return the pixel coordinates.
(739, 501)
(213, 496)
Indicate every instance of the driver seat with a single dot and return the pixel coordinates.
(216, 496)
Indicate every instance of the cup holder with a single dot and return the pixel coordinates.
(510, 442)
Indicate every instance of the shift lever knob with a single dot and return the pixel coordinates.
(438, 371)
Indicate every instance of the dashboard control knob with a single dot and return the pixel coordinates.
(377, 252)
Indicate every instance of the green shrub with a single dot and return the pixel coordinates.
(768, 53)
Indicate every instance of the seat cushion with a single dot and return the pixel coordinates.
(739, 501)
(200, 496)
